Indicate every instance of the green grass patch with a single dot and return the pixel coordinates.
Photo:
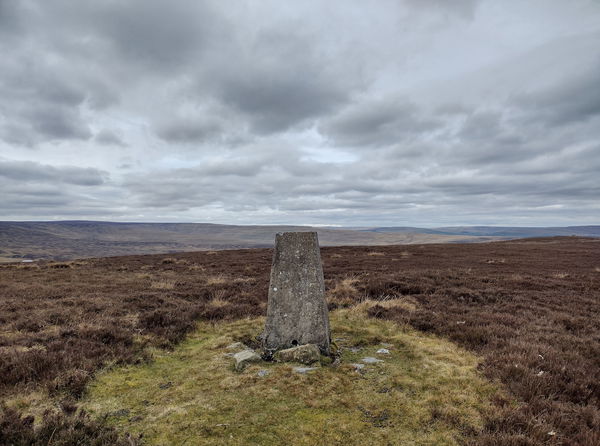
(427, 391)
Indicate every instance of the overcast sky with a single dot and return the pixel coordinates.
(414, 112)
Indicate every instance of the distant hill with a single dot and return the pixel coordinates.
(77, 239)
(495, 231)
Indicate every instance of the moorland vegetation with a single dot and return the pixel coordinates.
(530, 309)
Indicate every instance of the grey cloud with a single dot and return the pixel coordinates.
(18, 199)
(28, 171)
(276, 101)
(378, 123)
(38, 105)
(572, 100)
(59, 123)
(9, 17)
(36, 190)
(462, 8)
(152, 33)
(449, 109)
(44, 124)
(189, 131)
(279, 79)
(108, 137)
(481, 125)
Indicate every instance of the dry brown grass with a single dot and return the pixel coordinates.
(244, 280)
(376, 254)
(492, 261)
(196, 268)
(405, 303)
(217, 302)
(344, 293)
(61, 265)
(27, 266)
(164, 284)
(346, 287)
(216, 280)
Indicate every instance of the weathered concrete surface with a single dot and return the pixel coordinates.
(296, 311)
(304, 354)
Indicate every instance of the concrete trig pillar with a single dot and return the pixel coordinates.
(297, 310)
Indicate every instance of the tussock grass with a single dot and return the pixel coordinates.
(407, 303)
(59, 265)
(163, 284)
(196, 268)
(217, 302)
(344, 293)
(426, 392)
(216, 280)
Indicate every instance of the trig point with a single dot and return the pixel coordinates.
(297, 311)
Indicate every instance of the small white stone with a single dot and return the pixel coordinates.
(304, 370)
(383, 351)
(371, 360)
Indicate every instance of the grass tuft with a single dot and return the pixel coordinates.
(163, 284)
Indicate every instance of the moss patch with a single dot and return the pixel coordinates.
(427, 391)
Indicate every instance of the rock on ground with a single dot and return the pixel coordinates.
(303, 370)
(243, 358)
(304, 354)
(371, 360)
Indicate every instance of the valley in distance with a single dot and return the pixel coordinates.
(67, 240)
